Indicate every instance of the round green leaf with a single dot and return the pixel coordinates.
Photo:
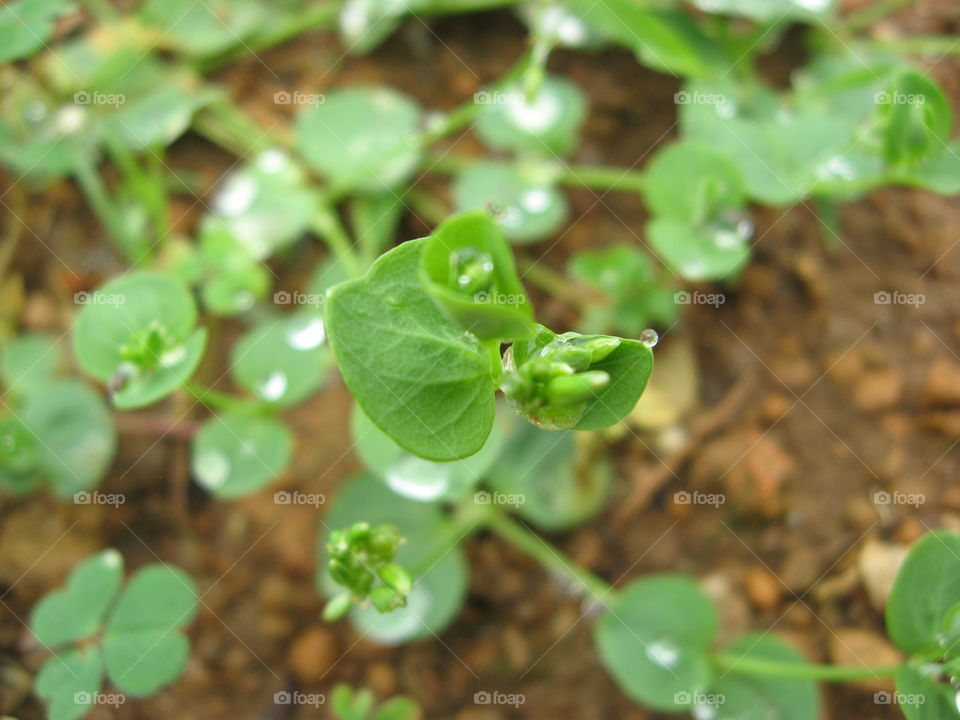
(715, 252)
(735, 696)
(555, 488)
(142, 644)
(692, 184)
(281, 359)
(917, 116)
(29, 363)
(527, 208)
(204, 28)
(77, 611)
(920, 697)
(75, 439)
(143, 312)
(234, 455)
(362, 138)
(26, 25)
(267, 204)
(416, 374)
(412, 476)
(430, 547)
(68, 682)
(494, 307)
(548, 122)
(654, 639)
(926, 587)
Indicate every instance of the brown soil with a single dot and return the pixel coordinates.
(837, 397)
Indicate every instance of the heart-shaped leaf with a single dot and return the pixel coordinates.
(717, 251)
(69, 680)
(416, 374)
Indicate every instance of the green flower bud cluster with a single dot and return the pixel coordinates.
(553, 386)
(361, 560)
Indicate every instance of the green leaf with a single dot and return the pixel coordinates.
(234, 279)
(921, 697)
(136, 332)
(771, 10)
(203, 28)
(29, 362)
(714, 252)
(926, 587)
(281, 360)
(398, 708)
(77, 611)
(692, 183)
(362, 138)
(412, 476)
(417, 375)
(663, 39)
(431, 548)
(468, 269)
(525, 204)
(74, 433)
(374, 219)
(350, 704)
(267, 204)
(939, 172)
(637, 294)
(757, 697)
(364, 24)
(546, 123)
(917, 116)
(26, 26)
(654, 639)
(556, 487)
(142, 644)
(234, 454)
(69, 680)
(19, 474)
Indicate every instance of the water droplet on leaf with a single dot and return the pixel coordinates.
(649, 337)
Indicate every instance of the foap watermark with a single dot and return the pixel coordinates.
(496, 97)
(283, 297)
(685, 297)
(113, 700)
(883, 497)
(98, 298)
(498, 298)
(296, 697)
(699, 699)
(85, 97)
(84, 497)
(699, 98)
(898, 698)
(698, 498)
(485, 697)
(285, 497)
(499, 498)
(285, 97)
(895, 297)
(899, 98)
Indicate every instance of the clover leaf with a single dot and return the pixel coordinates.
(361, 138)
(137, 334)
(468, 269)
(416, 374)
(235, 454)
(525, 204)
(654, 639)
(136, 638)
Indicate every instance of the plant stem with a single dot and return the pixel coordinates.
(598, 177)
(105, 208)
(921, 45)
(828, 673)
(327, 225)
(212, 398)
(871, 13)
(547, 555)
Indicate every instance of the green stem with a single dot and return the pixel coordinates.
(921, 45)
(95, 190)
(213, 398)
(598, 177)
(226, 125)
(828, 673)
(327, 225)
(872, 13)
(547, 555)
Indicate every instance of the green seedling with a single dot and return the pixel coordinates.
(348, 703)
(94, 628)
